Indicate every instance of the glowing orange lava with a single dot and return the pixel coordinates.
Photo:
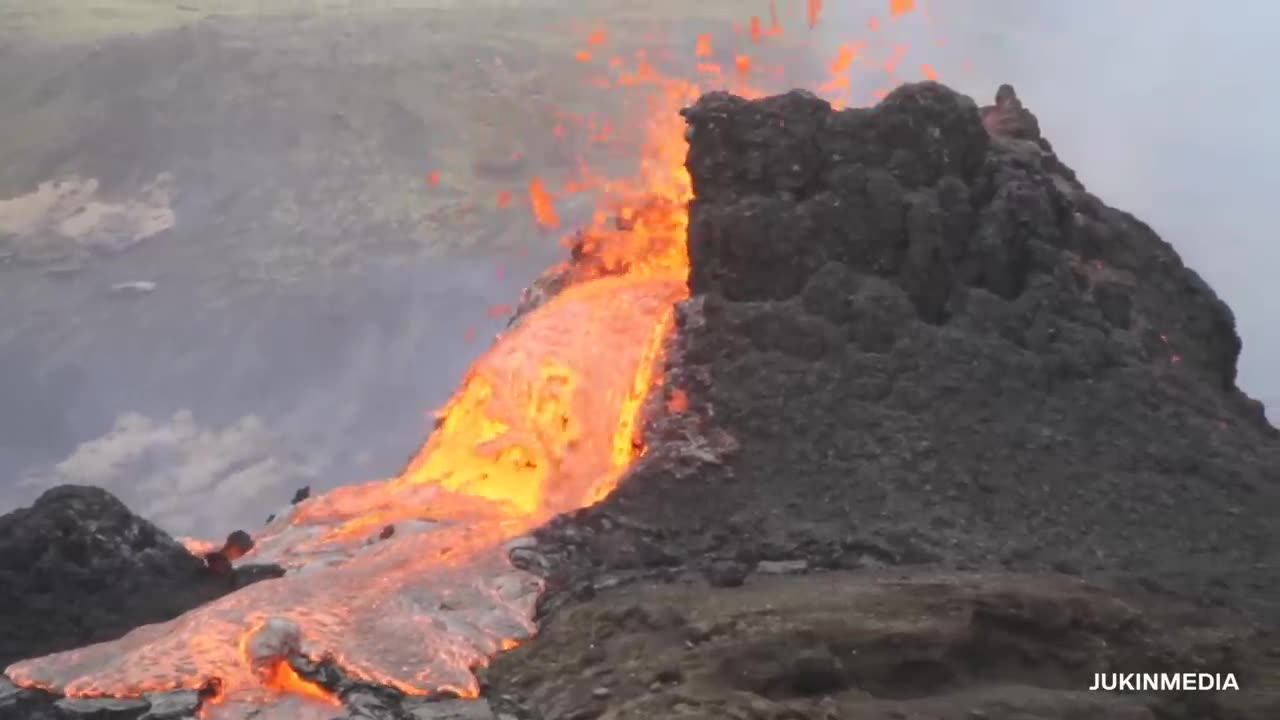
(277, 676)
(546, 421)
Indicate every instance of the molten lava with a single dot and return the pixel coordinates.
(405, 581)
(535, 430)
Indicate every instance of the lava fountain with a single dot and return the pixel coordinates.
(405, 582)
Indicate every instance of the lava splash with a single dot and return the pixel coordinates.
(405, 582)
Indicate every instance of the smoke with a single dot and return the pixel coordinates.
(179, 472)
(1160, 105)
(319, 388)
(311, 302)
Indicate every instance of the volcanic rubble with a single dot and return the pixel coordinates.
(941, 435)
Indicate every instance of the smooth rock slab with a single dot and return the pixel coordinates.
(369, 705)
(19, 703)
(781, 567)
(101, 708)
(10, 694)
(175, 705)
(449, 710)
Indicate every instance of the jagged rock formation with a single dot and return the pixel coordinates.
(931, 345)
(77, 567)
(914, 339)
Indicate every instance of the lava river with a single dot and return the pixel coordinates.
(530, 433)
(546, 421)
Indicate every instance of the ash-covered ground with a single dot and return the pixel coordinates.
(942, 435)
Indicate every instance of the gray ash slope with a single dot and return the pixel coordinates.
(915, 338)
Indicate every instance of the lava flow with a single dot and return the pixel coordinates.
(546, 421)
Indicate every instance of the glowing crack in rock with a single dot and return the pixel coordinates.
(546, 421)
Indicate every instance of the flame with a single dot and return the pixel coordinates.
(546, 421)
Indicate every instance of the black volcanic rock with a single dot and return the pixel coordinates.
(915, 339)
(953, 436)
(77, 567)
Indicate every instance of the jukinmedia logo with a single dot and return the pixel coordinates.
(1164, 682)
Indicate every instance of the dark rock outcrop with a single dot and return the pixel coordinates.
(917, 346)
(77, 567)
(918, 340)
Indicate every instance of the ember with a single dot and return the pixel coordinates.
(545, 422)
